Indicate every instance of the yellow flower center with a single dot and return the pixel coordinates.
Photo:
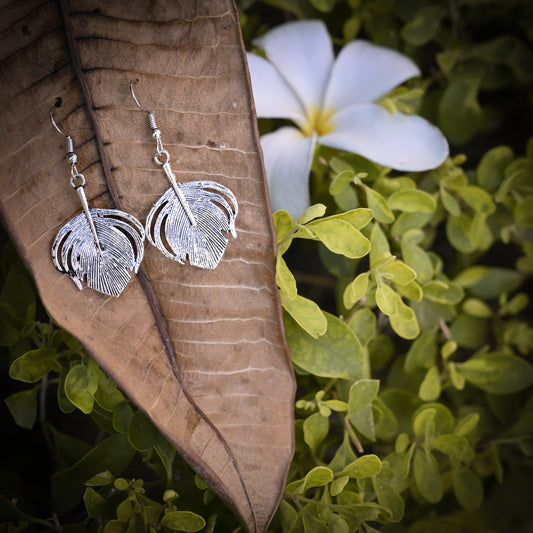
(318, 121)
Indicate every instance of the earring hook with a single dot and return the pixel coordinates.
(55, 125)
(137, 101)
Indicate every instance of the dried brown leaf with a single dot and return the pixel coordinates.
(202, 352)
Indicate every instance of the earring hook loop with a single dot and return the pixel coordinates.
(55, 125)
(137, 101)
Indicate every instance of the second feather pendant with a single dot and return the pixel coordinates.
(190, 219)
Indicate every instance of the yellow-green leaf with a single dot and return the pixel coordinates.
(427, 476)
(355, 290)
(341, 237)
(379, 206)
(404, 322)
(306, 313)
(336, 354)
(33, 365)
(386, 299)
(412, 201)
(285, 279)
(312, 212)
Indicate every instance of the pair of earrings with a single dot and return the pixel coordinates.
(101, 246)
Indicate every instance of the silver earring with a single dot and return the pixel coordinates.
(98, 245)
(190, 218)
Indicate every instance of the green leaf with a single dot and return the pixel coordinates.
(317, 477)
(363, 324)
(114, 453)
(427, 476)
(466, 424)
(182, 521)
(337, 485)
(459, 233)
(449, 202)
(477, 308)
(443, 292)
(312, 212)
(362, 394)
(23, 407)
(491, 169)
(341, 237)
(377, 203)
(471, 276)
(454, 446)
(107, 395)
(457, 379)
(142, 434)
(315, 429)
(358, 218)
(116, 526)
(508, 50)
(494, 282)
(80, 386)
(411, 291)
(404, 322)
(460, 115)
(312, 521)
(444, 420)
(360, 413)
(94, 502)
(478, 199)
(424, 25)
(33, 365)
(101, 479)
(379, 245)
(422, 351)
(122, 416)
(355, 290)
(412, 201)
(497, 373)
(340, 181)
(389, 498)
(468, 331)
(283, 224)
(307, 314)
(336, 354)
(324, 5)
(430, 388)
(364, 466)
(398, 272)
(424, 421)
(288, 515)
(387, 299)
(468, 489)
(415, 257)
(285, 279)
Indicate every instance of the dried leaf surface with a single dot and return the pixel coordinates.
(201, 351)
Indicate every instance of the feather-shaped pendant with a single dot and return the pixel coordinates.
(100, 246)
(190, 219)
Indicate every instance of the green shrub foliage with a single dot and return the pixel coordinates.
(406, 310)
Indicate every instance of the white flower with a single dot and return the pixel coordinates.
(332, 103)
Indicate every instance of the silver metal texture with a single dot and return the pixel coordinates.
(213, 208)
(103, 261)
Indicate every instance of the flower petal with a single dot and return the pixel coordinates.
(273, 97)
(364, 72)
(403, 142)
(288, 156)
(303, 54)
